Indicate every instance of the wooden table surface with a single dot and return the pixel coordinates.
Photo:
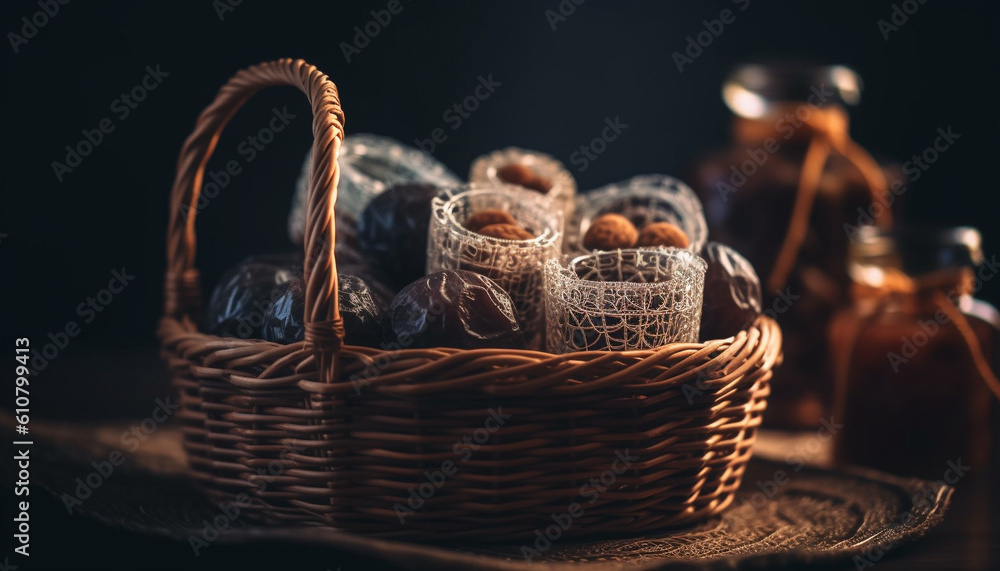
(104, 385)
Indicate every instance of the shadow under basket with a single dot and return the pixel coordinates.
(486, 444)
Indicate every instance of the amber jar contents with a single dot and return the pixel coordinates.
(750, 193)
(910, 396)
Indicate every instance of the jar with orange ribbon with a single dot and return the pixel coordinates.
(915, 355)
(787, 194)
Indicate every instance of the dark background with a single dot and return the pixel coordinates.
(607, 59)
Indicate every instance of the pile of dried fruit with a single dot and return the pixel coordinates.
(385, 295)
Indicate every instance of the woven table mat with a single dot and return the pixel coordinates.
(787, 514)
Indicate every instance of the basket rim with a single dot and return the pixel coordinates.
(439, 370)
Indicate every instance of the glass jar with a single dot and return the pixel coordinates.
(751, 193)
(912, 353)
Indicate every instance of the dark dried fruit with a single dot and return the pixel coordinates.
(361, 308)
(662, 234)
(506, 232)
(454, 308)
(284, 320)
(732, 298)
(522, 175)
(347, 249)
(237, 305)
(610, 231)
(487, 217)
(392, 231)
(375, 280)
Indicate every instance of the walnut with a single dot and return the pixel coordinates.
(484, 218)
(522, 175)
(610, 231)
(663, 234)
(506, 232)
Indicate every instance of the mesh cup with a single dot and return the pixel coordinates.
(516, 265)
(623, 300)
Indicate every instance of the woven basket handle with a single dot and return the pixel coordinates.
(324, 328)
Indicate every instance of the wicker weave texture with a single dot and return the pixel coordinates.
(443, 443)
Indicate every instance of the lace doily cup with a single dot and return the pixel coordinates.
(622, 300)
(643, 200)
(369, 164)
(516, 265)
(563, 191)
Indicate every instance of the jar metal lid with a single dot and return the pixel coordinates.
(916, 249)
(753, 89)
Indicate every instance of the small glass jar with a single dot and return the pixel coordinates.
(749, 192)
(909, 395)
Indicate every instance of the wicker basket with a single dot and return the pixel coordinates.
(443, 443)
